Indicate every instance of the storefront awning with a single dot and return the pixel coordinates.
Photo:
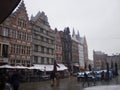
(48, 67)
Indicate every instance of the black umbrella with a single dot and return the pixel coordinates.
(6, 8)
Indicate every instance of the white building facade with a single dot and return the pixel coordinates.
(80, 41)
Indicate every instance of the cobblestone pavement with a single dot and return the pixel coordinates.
(65, 84)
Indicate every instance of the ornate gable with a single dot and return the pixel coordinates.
(40, 18)
(21, 12)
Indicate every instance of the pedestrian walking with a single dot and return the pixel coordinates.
(2, 82)
(57, 78)
(102, 75)
(15, 80)
(52, 77)
(93, 77)
(7, 84)
(53, 73)
(85, 79)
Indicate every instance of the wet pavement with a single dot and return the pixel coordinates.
(66, 84)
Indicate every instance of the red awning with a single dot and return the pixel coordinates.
(6, 8)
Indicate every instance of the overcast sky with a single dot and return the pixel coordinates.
(98, 20)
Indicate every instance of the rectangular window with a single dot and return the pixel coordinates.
(29, 38)
(17, 49)
(48, 61)
(5, 50)
(52, 51)
(26, 37)
(13, 34)
(44, 31)
(0, 50)
(6, 32)
(41, 29)
(47, 50)
(42, 49)
(21, 22)
(52, 60)
(47, 40)
(22, 49)
(17, 61)
(23, 36)
(42, 38)
(51, 41)
(19, 35)
(36, 48)
(35, 59)
(16, 34)
(29, 50)
(14, 48)
(0, 30)
(42, 60)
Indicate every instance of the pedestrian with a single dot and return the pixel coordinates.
(15, 80)
(93, 77)
(7, 84)
(57, 78)
(85, 79)
(2, 82)
(102, 75)
(53, 73)
(52, 77)
(107, 75)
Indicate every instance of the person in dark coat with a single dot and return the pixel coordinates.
(57, 78)
(2, 82)
(102, 75)
(52, 77)
(53, 73)
(15, 80)
(85, 79)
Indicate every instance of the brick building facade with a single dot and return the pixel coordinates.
(58, 46)
(16, 33)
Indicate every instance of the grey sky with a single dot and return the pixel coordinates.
(98, 20)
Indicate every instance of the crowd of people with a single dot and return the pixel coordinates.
(103, 75)
(10, 80)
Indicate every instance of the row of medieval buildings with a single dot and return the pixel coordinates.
(26, 42)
